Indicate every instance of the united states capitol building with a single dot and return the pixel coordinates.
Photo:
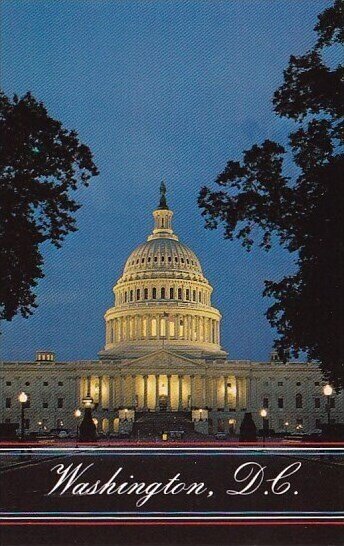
(163, 356)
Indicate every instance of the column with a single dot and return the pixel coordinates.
(192, 390)
(111, 392)
(203, 390)
(237, 394)
(180, 404)
(133, 397)
(100, 393)
(225, 379)
(208, 392)
(214, 380)
(169, 392)
(157, 407)
(121, 390)
(78, 392)
(145, 390)
(249, 392)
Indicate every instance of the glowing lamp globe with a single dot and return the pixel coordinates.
(23, 398)
(328, 390)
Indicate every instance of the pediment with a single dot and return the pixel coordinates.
(162, 360)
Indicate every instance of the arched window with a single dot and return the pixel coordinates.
(163, 327)
(187, 294)
(163, 291)
(131, 295)
(145, 294)
(153, 326)
(125, 296)
(171, 293)
(179, 293)
(171, 326)
(162, 258)
(154, 293)
(298, 401)
(138, 294)
(200, 297)
(194, 295)
(265, 402)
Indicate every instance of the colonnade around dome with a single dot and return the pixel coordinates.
(180, 327)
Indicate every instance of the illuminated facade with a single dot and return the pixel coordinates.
(163, 354)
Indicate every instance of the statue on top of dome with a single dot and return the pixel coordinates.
(163, 203)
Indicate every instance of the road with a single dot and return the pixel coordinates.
(316, 486)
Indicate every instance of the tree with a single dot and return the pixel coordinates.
(40, 163)
(303, 212)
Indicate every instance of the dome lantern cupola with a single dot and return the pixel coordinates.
(163, 218)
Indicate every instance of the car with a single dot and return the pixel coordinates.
(61, 433)
(221, 435)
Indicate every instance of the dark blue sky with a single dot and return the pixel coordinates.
(157, 90)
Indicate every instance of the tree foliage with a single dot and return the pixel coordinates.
(305, 212)
(40, 164)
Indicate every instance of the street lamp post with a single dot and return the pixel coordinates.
(77, 415)
(263, 414)
(87, 429)
(328, 390)
(286, 424)
(23, 398)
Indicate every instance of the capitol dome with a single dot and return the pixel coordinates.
(162, 297)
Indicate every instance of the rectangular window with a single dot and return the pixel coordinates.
(280, 383)
(318, 423)
(179, 293)
(146, 294)
(171, 293)
(265, 402)
(154, 294)
(60, 402)
(138, 294)
(332, 403)
(8, 383)
(280, 403)
(194, 295)
(187, 294)
(60, 384)
(45, 405)
(317, 402)
(8, 402)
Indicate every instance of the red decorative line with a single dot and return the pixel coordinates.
(138, 523)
